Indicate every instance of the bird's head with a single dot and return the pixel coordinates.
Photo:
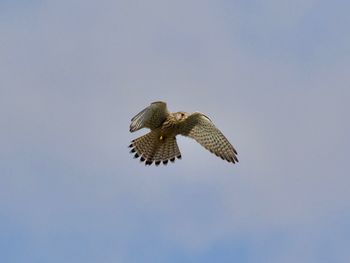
(181, 115)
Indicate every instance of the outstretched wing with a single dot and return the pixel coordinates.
(151, 117)
(200, 127)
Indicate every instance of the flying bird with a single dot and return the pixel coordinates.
(160, 146)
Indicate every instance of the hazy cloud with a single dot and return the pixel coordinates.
(73, 73)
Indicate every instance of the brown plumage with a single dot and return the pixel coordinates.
(160, 146)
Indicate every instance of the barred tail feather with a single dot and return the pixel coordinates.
(152, 147)
(167, 151)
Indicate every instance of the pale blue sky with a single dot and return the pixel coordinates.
(272, 75)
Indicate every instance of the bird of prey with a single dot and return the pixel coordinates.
(160, 146)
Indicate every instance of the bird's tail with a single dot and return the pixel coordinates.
(152, 147)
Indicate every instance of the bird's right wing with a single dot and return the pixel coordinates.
(202, 129)
(151, 117)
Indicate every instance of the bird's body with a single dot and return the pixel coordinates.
(159, 145)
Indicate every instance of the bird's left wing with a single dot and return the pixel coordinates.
(151, 117)
(201, 128)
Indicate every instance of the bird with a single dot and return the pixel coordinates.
(160, 146)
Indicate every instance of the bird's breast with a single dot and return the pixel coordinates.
(169, 127)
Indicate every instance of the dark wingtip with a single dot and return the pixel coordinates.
(136, 155)
(142, 159)
(130, 146)
(157, 163)
(233, 159)
(165, 162)
(172, 159)
(132, 150)
(179, 156)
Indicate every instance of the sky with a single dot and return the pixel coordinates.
(272, 75)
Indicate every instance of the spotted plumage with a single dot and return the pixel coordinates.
(160, 146)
